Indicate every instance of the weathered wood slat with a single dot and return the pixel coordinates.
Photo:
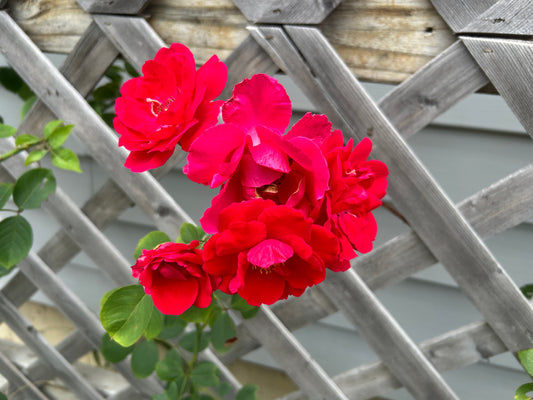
(433, 89)
(93, 45)
(125, 32)
(455, 349)
(508, 65)
(504, 18)
(113, 6)
(458, 14)
(292, 356)
(33, 339)
(16, 379)
(75, 310)
(398, 352)
(247, 59)
(287, 11)
(380, 40)
(68, 104)
(494, 209)
(435, 219)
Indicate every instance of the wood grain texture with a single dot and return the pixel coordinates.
(420, 200)
(380, 40)
(292, 356)
(504, 18)
(16, 379)
(507, 63)
(113, 6)
(460, 13)
(455, 349)
(286, 11)
(433, 89)
(125, 33)
(390, 342)
(33, 339)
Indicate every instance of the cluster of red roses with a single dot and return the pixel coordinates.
(290, 204)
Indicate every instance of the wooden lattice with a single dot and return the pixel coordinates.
(493, 46)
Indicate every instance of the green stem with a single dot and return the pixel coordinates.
(19, 149)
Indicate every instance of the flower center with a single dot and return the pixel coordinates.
(157, 107)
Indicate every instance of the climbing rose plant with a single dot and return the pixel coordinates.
(293, 201)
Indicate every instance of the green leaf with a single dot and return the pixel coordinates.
(190, 232)
(34, 156)
(173, 325)
(222, 330)
(526, 358)
(65, 159)
(5, 193)
(112, 351)
(171, 393)
(3, 396)
(239, 304)
(144, 358)
(150, 241)
(131, 70)
(33, 187)
(106, 296)
(170, 367)
(223, 388)
(188, 341)
(7, 130)
(523, 392)
(26, 140)
(51, 126)
(247, 392)
(205, 374)
(10, 79)
(114, 73)
(125, 314)
(16, 238)
(155, 325)
(28, 104)
(527, 290)
(59, 136)
(110, 90)
(197, 315)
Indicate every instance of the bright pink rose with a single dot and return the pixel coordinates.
(170, 104)
(172, 274)
(357, 186)
(252, 158)
(266, 252)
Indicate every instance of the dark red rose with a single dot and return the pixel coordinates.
(172, 274)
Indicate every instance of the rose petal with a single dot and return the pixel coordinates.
(269, 252)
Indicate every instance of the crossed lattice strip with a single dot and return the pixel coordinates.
(286, 44)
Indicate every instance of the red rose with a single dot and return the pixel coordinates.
(357, 186)
(172, 274)
(250, 155)
(266, 252)
(170, 104)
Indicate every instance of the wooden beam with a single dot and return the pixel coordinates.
(286, 11)
(380, 40)
(420, 199)
(508, 65)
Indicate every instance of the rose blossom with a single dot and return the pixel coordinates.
(357, 186)
(170, 104)
(266, 252)
(172, 274)
(252, 158)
